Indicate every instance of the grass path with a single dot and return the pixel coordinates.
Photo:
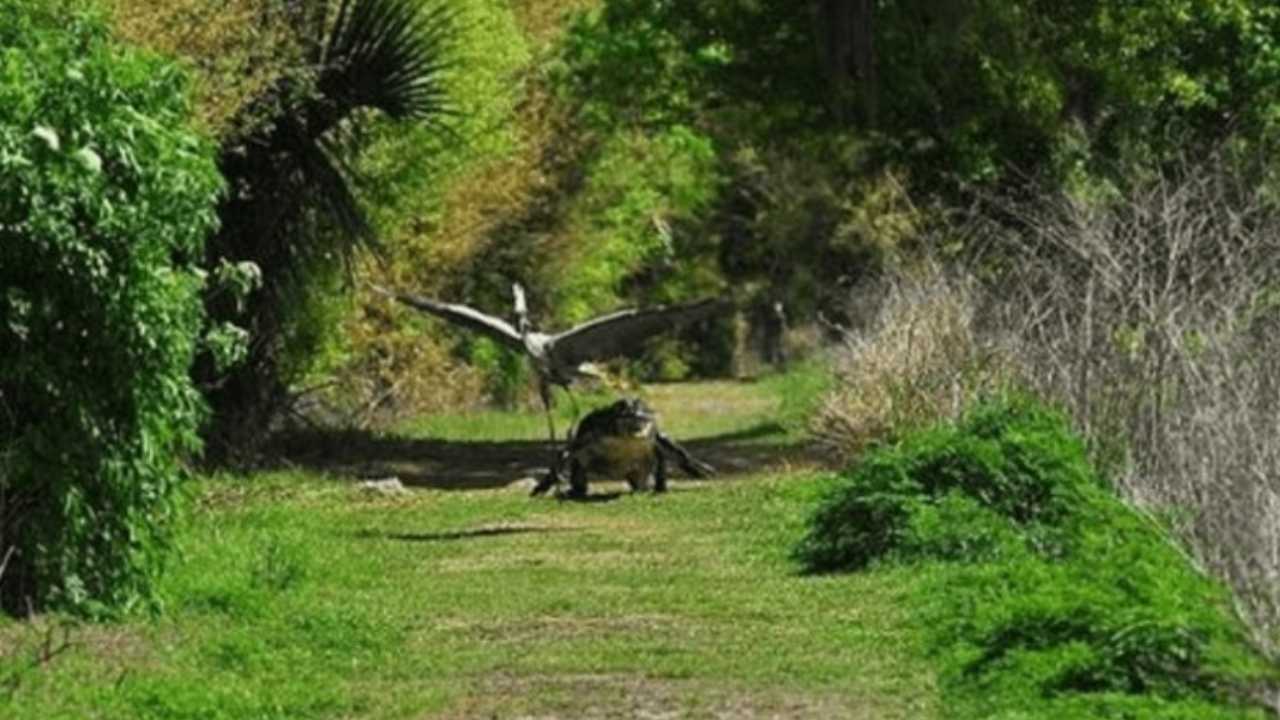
(301, 596)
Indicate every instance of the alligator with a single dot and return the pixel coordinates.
(620, 440)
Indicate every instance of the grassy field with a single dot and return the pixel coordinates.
(300, 595)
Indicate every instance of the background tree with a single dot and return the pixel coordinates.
(845, 32)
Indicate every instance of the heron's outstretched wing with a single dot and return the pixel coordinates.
(470, 318)
(623, 332)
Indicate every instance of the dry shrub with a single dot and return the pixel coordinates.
(543, 21)
(400, 371)
(802, 342)
(917, 360)
(1153, 319)
(237, 49)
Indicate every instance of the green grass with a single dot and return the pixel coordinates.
(687, 410)
(299, 596)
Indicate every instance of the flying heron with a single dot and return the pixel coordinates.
(561, 358)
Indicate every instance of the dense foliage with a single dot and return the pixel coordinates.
(105, 202)
(643, 150)
(963, 90)
(1041, 584)
(843, 128)
(234, 51)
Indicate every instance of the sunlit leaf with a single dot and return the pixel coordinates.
(89, 159)
(49, 136)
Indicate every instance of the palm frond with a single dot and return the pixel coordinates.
(325, 177)
(384, 55)
(388, 55)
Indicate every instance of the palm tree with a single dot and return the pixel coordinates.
(291, 208)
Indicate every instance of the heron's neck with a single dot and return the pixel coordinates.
(522, 310)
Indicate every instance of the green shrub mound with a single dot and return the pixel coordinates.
(1044, 595)
(105, 201)
(1120, 626)
(951, 491)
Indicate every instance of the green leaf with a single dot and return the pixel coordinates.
(49, 136)
(89, 159)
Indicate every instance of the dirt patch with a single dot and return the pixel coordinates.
(553, 628)
(614, 697)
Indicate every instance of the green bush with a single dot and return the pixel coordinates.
(1120, 626)
(105, 201)
(1045, 595)
(1014, 459)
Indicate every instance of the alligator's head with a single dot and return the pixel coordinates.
(631, 416)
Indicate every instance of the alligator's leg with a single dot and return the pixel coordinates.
(552, 478)
(659, 472)
(687, 462)
(577, 479)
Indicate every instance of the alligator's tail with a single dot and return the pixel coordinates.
(688, 463)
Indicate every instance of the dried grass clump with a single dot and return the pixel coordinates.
(918, 361)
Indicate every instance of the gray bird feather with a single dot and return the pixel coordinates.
(492, 327)
(559, 358)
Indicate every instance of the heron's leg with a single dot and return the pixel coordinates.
(576, 413)
(544, 389)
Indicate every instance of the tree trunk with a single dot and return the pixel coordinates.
(845, 30)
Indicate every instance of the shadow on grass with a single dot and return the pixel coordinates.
(591, 497)
(478, 465)
(469, 534)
